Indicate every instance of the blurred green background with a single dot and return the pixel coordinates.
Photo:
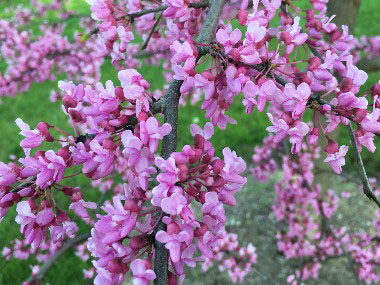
(255, 200)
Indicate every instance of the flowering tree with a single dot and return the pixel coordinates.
(167, 207)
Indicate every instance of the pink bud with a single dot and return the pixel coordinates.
(197, 155)
(148, 263)
(335, 35)
(173, 228)
(242, 17)
(183, 172)
(206, 160)
(287, 118)
(137, 242)
(64, 153)
(116, 267)
(346, 84)
(172, 278)
(286, 37)
(119, 93)
(314, 63)
(219, 181)
(75, 115)
(199, 232)
(359, 114)
(208, 75)
(109, 144)
(131, 205)
(235, 54)
(143, 116)
(61, 216)
(332, 146)
(217, 165)
(138, 193)
(76, 196)
(69, 102)
(199, 141)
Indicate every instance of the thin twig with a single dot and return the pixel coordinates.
(67, 246)
(362, 173)
(152, 32)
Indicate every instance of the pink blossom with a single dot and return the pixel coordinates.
(150, 132)
(296, 135)
(294, 100)
(33, 138)
(280, 128)
(141, 274)
(227, 37)
(336, 160)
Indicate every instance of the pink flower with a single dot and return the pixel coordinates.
(142, 275)
(371, 122)
(24, 213)
(336, 160)
(228, 38)
(294, 100)
(117, 224)
(150, 132)
(7, 176)
(33, 138)
(213, 207)
(173, 242)
(296, 135)
(253, 94)
(176, 9)
(280, 127)
(255, 33)
(80, 208)
(206, 133)
(177, 204)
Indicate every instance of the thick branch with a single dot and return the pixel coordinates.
(362, 173)
(169, 144)
(67, 246)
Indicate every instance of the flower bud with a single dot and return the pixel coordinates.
(173, 228)
(137, 242)
(109, 144)
(242, 17)
(116, 267)
(314, 63)
(286, 37)
(199, 232)
(131, 205)
(69, 102)
(332, 146)
(346, 84)
(183, 172)
(119, 93)
(199, 141)
(61, 216)
(217, 165)
(64, 153)
(75, 115)
(172, 278)
(197, 155)
(359, 114)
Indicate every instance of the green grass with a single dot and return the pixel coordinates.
(34, 106)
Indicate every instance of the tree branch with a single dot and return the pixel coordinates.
(67, 246)
(169, 144)
(362, 173)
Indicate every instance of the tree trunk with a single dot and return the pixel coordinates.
(345, 11)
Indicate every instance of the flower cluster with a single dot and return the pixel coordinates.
(231, 257)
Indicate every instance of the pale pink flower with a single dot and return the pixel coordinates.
(336, 160)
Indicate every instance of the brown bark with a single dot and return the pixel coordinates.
(345, 11)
